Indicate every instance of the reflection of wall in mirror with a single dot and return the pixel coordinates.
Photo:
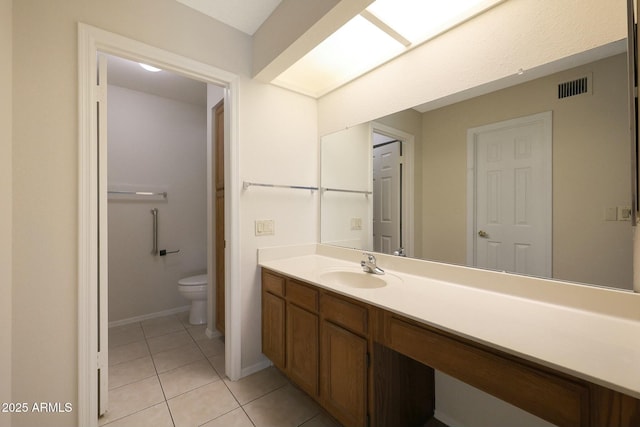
(346, 165)
(590, 171)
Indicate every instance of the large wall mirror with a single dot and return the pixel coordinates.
(534, 178)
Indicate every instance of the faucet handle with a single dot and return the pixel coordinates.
(399, 252)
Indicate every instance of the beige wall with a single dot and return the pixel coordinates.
(7, 204)
(155, 143)
(44, 165)
(346, 163)
(279, 145)
(46, 184)
(591, 171)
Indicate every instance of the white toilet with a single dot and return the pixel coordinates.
(194, 288)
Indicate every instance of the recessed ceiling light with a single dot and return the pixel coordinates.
(149, 68)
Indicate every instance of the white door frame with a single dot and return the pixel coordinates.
(92, 40)
(408, 204)
(547, 119)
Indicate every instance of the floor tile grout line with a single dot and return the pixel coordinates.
(221, 377)
(129, 360)
(157, 374)
(137, 412)
(265, 394)
(164, 394)
(140, 380)
(240, 405)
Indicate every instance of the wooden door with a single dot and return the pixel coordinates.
(218, 120)
(344, 375)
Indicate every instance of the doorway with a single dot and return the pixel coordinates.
(92, 197)
(387, 195)
(159, 219)
(509, 212)
(393, 188)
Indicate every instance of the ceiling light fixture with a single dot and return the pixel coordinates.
(381, 32)
(149, 67)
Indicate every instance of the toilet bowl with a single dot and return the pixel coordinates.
(194, 288)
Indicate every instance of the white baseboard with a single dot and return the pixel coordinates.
(212, 334)
(255, 368)
(149, 316)
(446, 419)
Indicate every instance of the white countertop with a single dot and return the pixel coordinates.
(593, 334)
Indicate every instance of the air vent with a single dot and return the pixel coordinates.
(573, 88)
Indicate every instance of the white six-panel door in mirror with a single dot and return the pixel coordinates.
(386, 197)
(510, 195)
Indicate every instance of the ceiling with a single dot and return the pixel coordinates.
(243, 15)
(129, 74)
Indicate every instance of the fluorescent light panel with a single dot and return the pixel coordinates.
(355, 48)
(420, 20)
(360, 46)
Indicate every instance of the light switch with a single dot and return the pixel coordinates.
(264, 227)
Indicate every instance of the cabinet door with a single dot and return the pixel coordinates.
(302, 348)
(273, 329)
(344, 375)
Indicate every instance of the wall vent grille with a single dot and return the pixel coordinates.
(573, 88)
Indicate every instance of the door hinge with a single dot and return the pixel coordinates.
(368, 359)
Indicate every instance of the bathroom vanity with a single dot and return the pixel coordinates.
(365, 346)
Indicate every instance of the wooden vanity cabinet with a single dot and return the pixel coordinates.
(554, 396)
(302, 336)
(369, 367)
(273, 319)
(321, 342)
(345, 356)
(290, 329)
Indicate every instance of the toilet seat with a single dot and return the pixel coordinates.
(198, 280)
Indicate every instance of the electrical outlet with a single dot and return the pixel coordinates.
(356, 224)
(265, 227)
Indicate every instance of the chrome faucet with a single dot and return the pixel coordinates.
(369, 265)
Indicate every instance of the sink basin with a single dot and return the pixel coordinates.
(357, 279)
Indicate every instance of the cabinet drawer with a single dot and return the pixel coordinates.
(345, 313)
(273, 283)
(302, 295)
(550, 397)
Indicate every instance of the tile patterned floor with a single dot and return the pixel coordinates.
(166, 373)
